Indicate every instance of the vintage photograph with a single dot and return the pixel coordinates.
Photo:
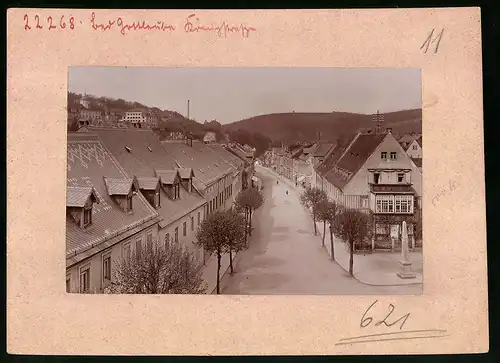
(244, 181)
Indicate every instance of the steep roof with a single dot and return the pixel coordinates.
(148, 183)
(186, 173)
(118, 186)
(348, 156)
(167, 176)
(417, 162)
(322, 149)
(419, 141)
(88, 162)
(78, 196)
(208, 161)
(146, 158)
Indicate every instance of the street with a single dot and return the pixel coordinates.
(285, 257)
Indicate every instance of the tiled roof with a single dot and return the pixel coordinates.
(322, 149)
(208, 161)
(347, 157)
(186, 173)
(118, 186)
(147, 157)
(167, 176)
(417, 162)
(148, 183)
(419, 141)
(78, 196)
(88, 162)
(408, 138)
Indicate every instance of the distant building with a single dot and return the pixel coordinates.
(135, 118)
(414, 149)
(85, 101)
(210, 137)
(90, 116)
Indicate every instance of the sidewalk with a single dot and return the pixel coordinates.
(210, 271)
(377, 268)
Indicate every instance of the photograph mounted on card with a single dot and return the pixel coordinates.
(234, 166)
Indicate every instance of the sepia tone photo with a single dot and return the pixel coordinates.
(244, 181)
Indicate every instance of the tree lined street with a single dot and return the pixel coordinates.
(284, 255)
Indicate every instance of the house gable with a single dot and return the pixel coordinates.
(359, 183)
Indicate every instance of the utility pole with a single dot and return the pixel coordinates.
(378, 119)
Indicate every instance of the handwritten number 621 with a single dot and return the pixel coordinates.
(365, 321)
(430, 41)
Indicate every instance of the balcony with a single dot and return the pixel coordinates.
(399, 188)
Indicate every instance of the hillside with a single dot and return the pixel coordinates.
(306, 126)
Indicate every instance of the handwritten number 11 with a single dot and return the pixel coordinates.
(430, 40)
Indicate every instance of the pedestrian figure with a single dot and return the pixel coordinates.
(287, 192)
(276, 182)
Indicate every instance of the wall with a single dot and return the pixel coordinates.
(95, 261)
(414, 153)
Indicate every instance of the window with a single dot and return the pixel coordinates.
(176, 191)
(129, 203)
(85, 278)
(157, 198)
(414, 147)
(184, 229)
(149, 239)
(126, 253)
(385, 204)
(380, 228)
(192, 223)
(138, 247)
(68, 283)
(401, 177)
(199, 217)
(364, 202)
(176, 235)
(393, 155)
(383, 155)
(87, 216)
(376, 178)
(403, 203)
(106, 268)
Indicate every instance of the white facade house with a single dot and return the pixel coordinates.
(135, 118)
(372, 173)
(414, 149)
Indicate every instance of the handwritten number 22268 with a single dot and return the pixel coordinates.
(365, 321)
(62, 23)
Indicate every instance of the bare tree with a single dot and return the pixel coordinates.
(248, 201)
(352, 226)
(327, 212)
(159, 269)
(311, 198)
(222, 232)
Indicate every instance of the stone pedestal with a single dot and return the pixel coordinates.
(406, 272)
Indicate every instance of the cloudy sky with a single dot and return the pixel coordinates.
(232, 94)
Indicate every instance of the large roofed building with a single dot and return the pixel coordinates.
(106, 216)
(167, 186)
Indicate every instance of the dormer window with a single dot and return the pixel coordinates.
(393, 155)
(150, 188)
(122, 191)
(177, 191)
(79, 204)
(383, 155)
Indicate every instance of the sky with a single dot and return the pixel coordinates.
(232, 94)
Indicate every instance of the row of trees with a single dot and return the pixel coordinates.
(351, 226)
(171, 268)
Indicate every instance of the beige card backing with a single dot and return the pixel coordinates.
(43, 319)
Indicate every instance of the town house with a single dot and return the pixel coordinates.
(106, 216)
(372, 173)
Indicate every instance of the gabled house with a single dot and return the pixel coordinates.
(106, 219)
(414, 149)
(373, 173)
